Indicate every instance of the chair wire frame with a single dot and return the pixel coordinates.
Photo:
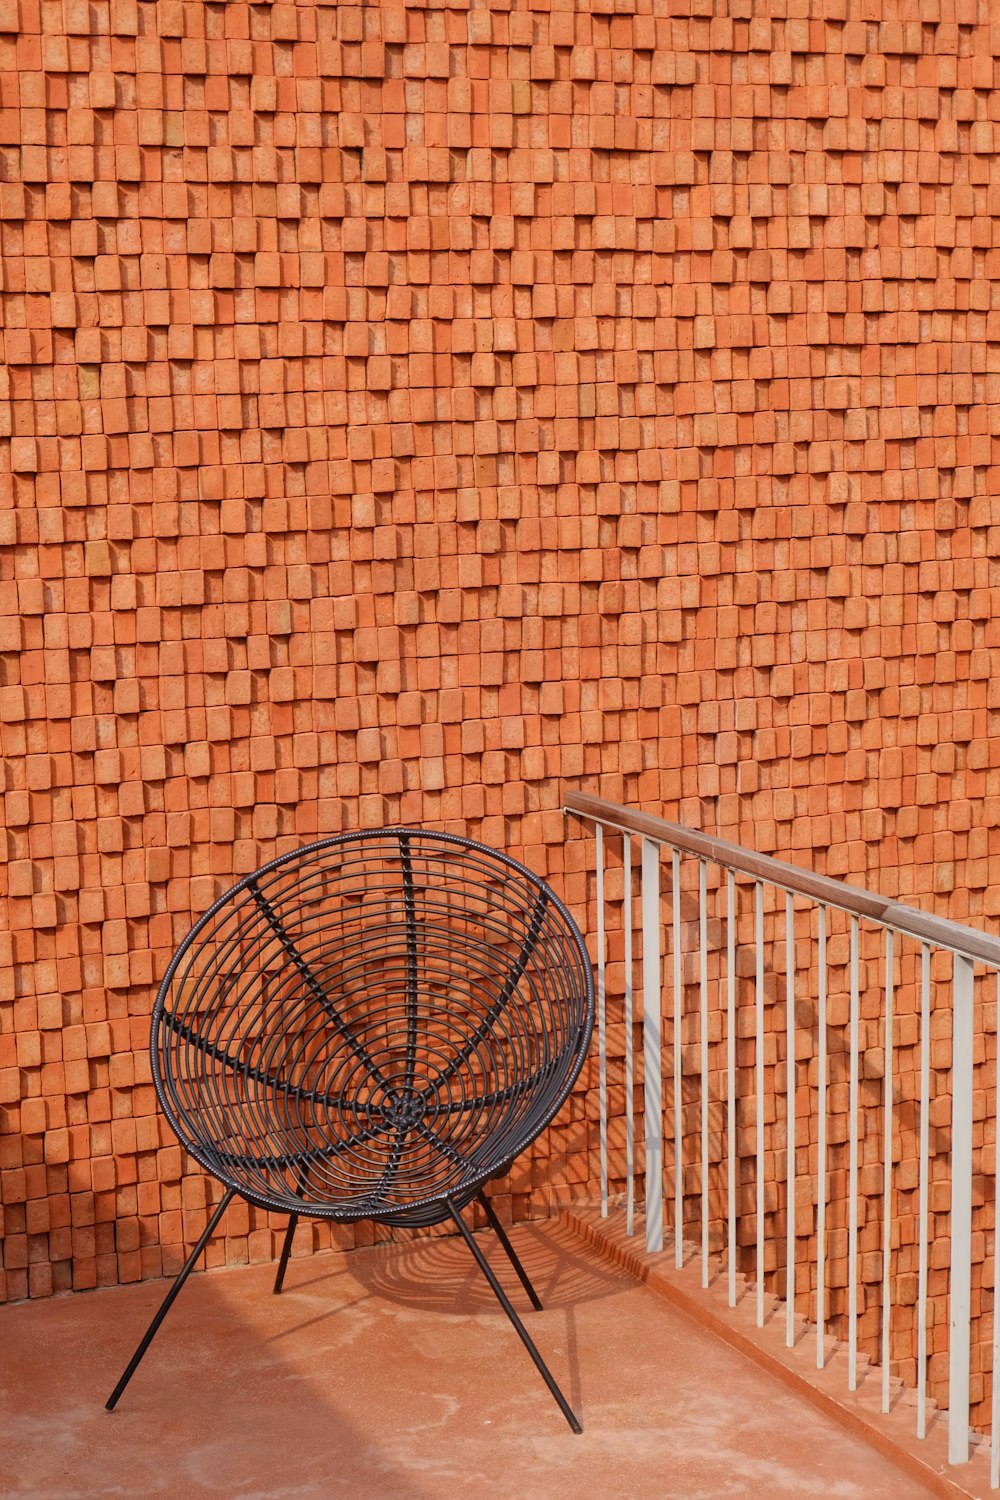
(372, 1027)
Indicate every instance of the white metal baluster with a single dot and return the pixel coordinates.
(703, 986)
(731, 1079)
(925, 1109)
(821, 1150)
(629, 1062)
(887, 1173)
(602, 1040)
(960, 1281)
(852, 1206)
(790, 1119)
(759, 1081)
(995, 1411)
(678, 1077)
(652, 1081)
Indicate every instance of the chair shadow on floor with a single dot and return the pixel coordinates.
(435, 1274)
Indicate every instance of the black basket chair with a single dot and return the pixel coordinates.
(372, 1027)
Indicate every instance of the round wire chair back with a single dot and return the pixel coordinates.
(372, 1026)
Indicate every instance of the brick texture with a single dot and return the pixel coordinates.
(411, 412)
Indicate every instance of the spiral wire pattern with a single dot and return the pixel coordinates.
(372, 1026)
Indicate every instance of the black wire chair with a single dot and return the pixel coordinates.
(372, 1027)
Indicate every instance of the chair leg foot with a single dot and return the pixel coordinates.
(519, 1327)
(168, 1301)
(285, 1252)
(512, 1256)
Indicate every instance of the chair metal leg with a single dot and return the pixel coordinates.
(285, 1252)
(501, 1235)
(168, 1300)
(508, 1308)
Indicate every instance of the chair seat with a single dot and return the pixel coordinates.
(391, 1151)
(372, 1026)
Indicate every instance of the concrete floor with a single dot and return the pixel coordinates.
(389, 1374)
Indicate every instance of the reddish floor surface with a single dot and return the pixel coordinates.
(390, 1375)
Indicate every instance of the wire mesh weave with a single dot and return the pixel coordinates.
(372, 1025)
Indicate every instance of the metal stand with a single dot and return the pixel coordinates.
(285, 1252)
(286, 1248)
(501, 1235)
(168, 1300)
(508, 1308)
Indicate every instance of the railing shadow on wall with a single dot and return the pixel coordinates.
(860, 1185)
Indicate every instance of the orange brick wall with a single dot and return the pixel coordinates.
(409, 413)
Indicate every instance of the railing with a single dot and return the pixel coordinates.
(815, 1000)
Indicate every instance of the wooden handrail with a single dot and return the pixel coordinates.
(940, 931)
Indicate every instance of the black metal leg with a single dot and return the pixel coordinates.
(285, 1252)
(168, 1300)
(501, 1235)
(508, 1308)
